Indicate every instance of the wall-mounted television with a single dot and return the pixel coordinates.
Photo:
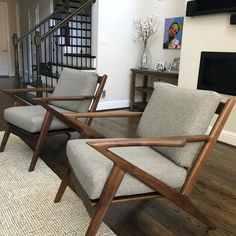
(204, 7)
(217, 72)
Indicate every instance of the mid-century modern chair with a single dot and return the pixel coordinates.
(164, 160)
(76, 91)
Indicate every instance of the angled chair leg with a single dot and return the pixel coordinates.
(64, 183)
(43, 133)
(5, 139)
(189, 207)
(108, 193)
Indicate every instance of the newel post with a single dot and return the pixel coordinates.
(37, 41)
(16, 55)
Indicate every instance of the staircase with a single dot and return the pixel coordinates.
(63, 39)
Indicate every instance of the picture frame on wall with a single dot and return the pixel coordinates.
(173, 33)
(174, 67)
(159, 65)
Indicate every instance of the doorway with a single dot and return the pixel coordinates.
(4, 43)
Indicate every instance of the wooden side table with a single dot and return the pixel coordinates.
(145, 89)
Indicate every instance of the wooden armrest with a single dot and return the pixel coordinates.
(103, 114)
(162, 141)
(27, 90)
(64, 98)
(103, 146)
(12, 93)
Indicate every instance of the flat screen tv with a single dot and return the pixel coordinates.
(217, 72)
(204, 7)
(215, 5)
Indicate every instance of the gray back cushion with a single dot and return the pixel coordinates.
(174, 111)
(75, 83)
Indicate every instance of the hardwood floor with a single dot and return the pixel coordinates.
(215, 193)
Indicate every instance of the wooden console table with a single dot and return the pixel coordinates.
(145, 89)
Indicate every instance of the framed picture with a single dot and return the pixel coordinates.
(175, 64)
(173, 33)
(159, 65)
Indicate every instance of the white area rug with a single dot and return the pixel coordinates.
(26, 198)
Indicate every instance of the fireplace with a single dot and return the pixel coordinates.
(217, 72)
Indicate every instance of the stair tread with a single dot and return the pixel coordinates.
(75, 28)
(74, 46)
(75, 21)
(72, 10)
(73, 67)
(74, 37)
(79, 55)
(60, 5)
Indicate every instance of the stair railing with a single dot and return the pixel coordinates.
(67, 19)
(28, 37)
(39, 43)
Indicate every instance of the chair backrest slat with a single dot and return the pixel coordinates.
(98, 93)
(223, 111)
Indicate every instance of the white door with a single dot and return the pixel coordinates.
(4, 55)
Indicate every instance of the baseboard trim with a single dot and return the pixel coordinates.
(113, 105)
(228, 137)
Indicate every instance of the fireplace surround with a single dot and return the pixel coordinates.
(217, 72)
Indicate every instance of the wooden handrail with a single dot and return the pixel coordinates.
(39, 24)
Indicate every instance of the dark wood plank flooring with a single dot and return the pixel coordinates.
(215, 193)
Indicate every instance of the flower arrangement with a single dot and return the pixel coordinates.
(144, 28)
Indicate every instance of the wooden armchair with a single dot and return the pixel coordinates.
(76, 91)
(164, 160)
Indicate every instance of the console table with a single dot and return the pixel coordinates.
(145, 89)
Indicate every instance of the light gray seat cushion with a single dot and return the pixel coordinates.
(92, 168)
(75, 83)
(174, 111)
(30, 118)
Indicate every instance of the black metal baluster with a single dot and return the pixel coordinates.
(45, 72)
(16, 54)
(86, 37)
(31, 56)
(27, 58)
(77, 40)
(38, 43)
(67, 42)
(61, 51)
(90, 36)
(50, 57)
(57, 56)
(23, 62)
(81, 42)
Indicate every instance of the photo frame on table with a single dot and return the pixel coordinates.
(174, 67)
(159, 65)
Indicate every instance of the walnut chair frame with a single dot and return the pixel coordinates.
(121, 166)
(81, 127)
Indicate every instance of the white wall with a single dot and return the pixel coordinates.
(164, 9)
(116, 50)
(209, 33)
(45, 8)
